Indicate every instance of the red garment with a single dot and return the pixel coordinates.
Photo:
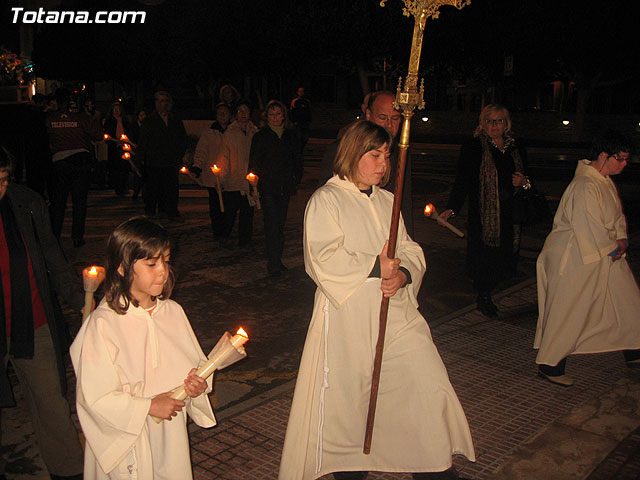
(39, 316)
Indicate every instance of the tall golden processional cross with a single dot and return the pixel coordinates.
(408, 97)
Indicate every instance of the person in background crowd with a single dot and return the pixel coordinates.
(115, 126)
(301, 116)
(588, 299)
(233, 160)
(205, 157)
(230, 96)
(37, 155)
(162, 143)
(70, 137)
(141, 114)
(490, 169)
(32, 331)
(277, 161)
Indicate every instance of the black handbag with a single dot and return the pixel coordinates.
(530, 207)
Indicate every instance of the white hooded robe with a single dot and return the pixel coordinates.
(419, 421)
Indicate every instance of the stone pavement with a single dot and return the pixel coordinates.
(523, 427)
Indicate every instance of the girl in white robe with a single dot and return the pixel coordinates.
(588, 299)
(419, 421)
(130, 353)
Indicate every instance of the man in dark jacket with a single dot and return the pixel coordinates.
(163, 141)
(32, 337)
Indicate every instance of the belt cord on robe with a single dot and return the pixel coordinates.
(325, 385)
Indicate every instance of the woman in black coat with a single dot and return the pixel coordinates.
(490, 169)
(276, 159)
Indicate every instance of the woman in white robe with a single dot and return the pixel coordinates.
(419, 421)
(588, 299)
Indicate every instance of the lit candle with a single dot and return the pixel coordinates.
(430, 211)
(124, 138)
(252, 178)
(240, 338)
(92, 278)
(184, 170)
(126, 156)
(126, 147)
(227, 351)
(216, 170)
(106, 136)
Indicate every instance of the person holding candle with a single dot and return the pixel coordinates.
(131, 352)
(233, 160)
(33, 336)
(490, 170)
(116, 125)
(205, 157)
(276, 159)
(419, 421)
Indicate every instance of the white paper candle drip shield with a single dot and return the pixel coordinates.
(227, 351)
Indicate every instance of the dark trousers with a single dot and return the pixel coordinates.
(71, 175)
(56, 435)
(274, 208)
(234, 202)
(449, 474)
(216, 215)
(161, 191)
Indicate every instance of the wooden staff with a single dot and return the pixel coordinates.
(384, 306)
(407, 99)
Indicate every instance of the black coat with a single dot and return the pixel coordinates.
(467, 184)
(276, 160)
(51, 271)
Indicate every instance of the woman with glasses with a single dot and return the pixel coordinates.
(589, 301)
(490, 169)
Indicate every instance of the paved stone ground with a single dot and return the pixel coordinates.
(490, 362)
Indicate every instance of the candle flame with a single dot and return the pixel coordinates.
(215, 169)
(106, 136)
(93, 270)
(124, 137)
(428, 209)
(184, 170)
(242, 333)
(126, 146)
(126, 155)
(251, 176)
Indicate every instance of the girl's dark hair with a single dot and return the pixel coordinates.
(136, 239)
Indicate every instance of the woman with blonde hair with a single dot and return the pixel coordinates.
(276, 159)
(490, 170)
(419, 421)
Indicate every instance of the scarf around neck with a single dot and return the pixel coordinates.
(488, 195)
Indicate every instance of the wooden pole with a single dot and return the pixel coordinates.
(384, 306)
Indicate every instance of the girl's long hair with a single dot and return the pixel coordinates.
(136, 239)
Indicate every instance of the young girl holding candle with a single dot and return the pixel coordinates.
(419, 421)
(131, 352)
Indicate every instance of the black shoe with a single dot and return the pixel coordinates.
(486, 306)
(79, 476)
(78, 243)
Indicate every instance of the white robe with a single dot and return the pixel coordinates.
(419, 421)
(587, 303)
(121, 362)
